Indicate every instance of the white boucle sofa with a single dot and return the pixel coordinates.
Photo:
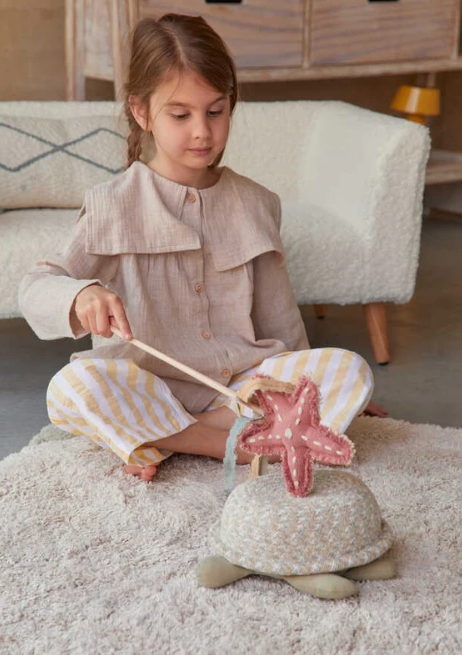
(351, 183)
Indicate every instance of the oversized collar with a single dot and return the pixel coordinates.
(127, 215)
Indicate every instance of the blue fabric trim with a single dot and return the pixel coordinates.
(230, 459)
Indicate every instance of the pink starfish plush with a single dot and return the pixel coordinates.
(291, 427)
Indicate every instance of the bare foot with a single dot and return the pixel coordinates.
(145, 473)
(373, 409)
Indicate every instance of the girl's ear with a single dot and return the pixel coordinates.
(139, 111)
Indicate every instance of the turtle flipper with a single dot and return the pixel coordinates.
(215, 571)
(323, 585)
(376, 570)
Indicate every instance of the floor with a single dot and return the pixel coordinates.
(422, 383)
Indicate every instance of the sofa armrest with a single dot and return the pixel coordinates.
(350, 153)
(368, 171)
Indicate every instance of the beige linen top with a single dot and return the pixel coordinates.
(200, 272)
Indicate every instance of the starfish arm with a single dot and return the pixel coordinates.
(298, 472)
(331, 448)
(326, 446)
(259, 447)
(256, 438)
(307, 398)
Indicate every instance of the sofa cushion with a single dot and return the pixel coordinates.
(51, 162)
(26, 236)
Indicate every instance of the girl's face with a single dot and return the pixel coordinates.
(187, 115)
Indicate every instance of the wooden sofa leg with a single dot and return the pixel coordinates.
(376, 319)
(320, 311)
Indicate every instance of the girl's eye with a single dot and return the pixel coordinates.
(183, 116)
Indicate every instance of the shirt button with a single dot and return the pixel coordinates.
(192, 197)
(225, 373)
(199, 287)
(206, 334)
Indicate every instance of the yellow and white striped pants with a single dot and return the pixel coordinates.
(126, 409)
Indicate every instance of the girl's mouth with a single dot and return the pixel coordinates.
(201, 151)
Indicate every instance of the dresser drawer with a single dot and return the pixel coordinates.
(361, 31)
(257, 32)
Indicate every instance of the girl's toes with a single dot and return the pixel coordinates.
(132, 469)
(145, 473)
(374, 409)
(148, 472)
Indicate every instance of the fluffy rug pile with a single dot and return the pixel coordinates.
(96, 561)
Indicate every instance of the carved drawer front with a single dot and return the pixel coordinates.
(257, 32)
(98, 54)
(366, 31)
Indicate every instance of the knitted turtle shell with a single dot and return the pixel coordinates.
(337, 526)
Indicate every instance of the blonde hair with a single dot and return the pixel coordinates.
(174, 43)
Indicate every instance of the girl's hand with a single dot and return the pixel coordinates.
(97, 308)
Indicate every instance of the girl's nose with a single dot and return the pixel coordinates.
(201, 128)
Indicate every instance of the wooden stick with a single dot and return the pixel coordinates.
(190, 371)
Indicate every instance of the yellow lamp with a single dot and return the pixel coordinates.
(418, 102)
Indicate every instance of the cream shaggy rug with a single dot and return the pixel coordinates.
(95, 561)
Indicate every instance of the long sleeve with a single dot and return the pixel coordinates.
(47, 293)
(275, 313)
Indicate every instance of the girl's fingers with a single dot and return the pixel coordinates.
(84, 323)
(82, 318)
(101, 309)
(119, 319)
(126, 335)
(102, 322)
(113, 322)
(92, 324)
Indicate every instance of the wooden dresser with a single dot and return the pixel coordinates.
(303, 39)
(281, 40)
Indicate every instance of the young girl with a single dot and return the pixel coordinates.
(185, 255)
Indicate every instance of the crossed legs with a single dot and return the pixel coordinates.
(206, 437)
